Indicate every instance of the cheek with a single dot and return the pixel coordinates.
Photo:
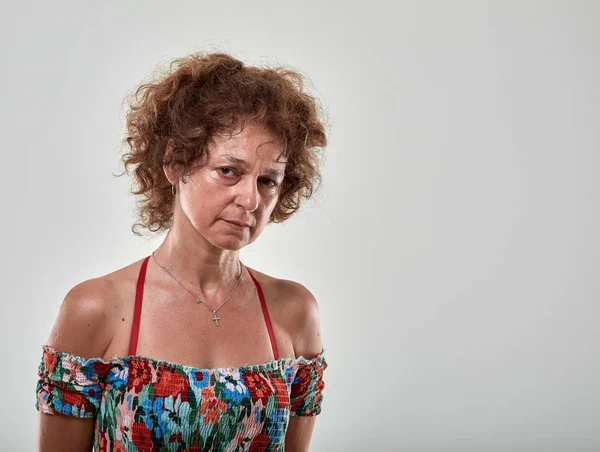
(271, 206)
(202, 206)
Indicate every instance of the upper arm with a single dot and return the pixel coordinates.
(81, 328)
(83, 324)
(299, 433)
(306, 336)
(304, 321)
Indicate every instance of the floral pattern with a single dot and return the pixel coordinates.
(143, 404)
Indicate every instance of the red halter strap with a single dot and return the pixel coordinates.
(135, 329)
(139, 292)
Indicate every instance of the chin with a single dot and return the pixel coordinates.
(231, 243)
(232, 247)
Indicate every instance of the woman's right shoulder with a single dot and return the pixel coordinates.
(86, 320)
(90, 313)
(82, 325)
(84, 328)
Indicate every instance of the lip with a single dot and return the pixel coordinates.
(236, 224)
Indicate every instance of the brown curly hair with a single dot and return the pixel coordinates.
(204, 94)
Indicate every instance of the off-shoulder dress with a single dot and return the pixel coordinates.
(143, 404)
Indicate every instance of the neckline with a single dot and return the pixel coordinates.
(138, 309)
(270, 365)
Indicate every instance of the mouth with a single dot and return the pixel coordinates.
(237, 225)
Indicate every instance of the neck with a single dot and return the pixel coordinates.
(201, 267)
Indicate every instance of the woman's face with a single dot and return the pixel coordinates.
(239, 183)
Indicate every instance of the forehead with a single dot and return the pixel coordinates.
(242, 146)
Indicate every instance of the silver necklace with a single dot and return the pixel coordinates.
(214, 311)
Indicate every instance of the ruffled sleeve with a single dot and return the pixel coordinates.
(69, 384)
(306, 393)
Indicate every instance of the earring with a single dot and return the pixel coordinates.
(173, 189)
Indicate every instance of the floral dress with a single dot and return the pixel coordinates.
(144, 404)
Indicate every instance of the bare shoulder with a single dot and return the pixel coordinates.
(297, 309)
(85, 324)
(82, 328)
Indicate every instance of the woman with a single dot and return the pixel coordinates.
(188, 348)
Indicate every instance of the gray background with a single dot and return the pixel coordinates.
(453, 246)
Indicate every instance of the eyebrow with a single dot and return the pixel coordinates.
(239, 161)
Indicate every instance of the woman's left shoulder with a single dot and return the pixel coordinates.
(287, 294)
(296, 309)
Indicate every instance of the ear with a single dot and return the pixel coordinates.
(171, 173)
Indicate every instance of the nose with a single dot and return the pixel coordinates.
(247, 193)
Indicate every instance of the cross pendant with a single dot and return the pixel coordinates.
(215, 318)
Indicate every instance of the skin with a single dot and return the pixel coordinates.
(202, 251)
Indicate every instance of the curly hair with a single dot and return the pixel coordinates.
(205, 94)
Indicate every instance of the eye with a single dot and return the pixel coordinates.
(273, 184)
(229, 173)
(226, 168)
